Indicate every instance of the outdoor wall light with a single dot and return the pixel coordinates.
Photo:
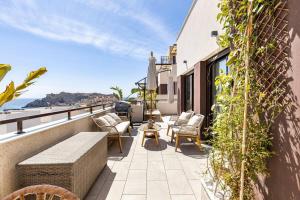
(214, 34)
(185, 62)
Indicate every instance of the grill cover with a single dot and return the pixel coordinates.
(123, 106)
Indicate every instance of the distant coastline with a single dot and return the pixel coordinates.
(17, 104)
(57, 100)
(70, 99)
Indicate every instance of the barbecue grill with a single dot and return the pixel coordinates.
(123, 108)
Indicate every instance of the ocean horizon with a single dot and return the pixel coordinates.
(17, 103)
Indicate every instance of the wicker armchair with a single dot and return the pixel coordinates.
(190, 130)
(179, 120)
(42, 192)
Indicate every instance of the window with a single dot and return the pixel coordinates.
(163, 89)
(175, 87)
(189, 92)
(215, 68)
(173, 59)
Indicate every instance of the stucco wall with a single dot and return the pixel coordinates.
(163, 78)
(195, 41)
(26, 145)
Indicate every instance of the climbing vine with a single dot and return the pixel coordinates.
(250, 96)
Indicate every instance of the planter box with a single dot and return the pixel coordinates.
(73, 164)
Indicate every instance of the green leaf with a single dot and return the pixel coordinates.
(4, 68)
(118, 92)
(8, 94)
(30, 77)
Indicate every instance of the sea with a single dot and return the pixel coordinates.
(17, 103)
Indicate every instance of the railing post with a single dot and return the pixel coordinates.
(19, 126)
(91, 110)
(69, 115)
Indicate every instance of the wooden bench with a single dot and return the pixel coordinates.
(73, 164)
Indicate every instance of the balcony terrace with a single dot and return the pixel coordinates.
(152, 171)
(140, 172)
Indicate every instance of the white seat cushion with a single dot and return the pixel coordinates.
(102, 122)
(184, 130)
(175, 130)
(196, 120)
(185, 116)
(187, 130)
(170, 123)
(110, 120)
(122, 127)
(115, 117)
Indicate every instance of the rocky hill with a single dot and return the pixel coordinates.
(68, 99)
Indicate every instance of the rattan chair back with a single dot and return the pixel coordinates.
(42, 192)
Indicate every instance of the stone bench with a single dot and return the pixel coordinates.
(73, 164)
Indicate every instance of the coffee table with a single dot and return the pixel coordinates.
(154, 131)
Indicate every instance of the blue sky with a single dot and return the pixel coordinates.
(87, 45)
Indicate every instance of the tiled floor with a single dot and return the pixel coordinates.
(151, 172)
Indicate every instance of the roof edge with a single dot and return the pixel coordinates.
(186, 18)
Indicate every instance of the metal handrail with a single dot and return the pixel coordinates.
(20, 120)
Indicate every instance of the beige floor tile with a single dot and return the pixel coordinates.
(158, 190)
(139, 157)
(135, 187)
(183, 197)
(172, 163)
(153, 156)
(169, 156)
(120, 171)
(137, 175)
(112, 190)
(156, 171)
(99, 183)
(127, 158)
(134, 197)
(110, 163)
(196, 187)
(141, 164)
(178, 183)
(192, 169)
(168, 150)
(151, 172)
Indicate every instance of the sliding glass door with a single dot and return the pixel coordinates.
(215, 69)
(189, 92)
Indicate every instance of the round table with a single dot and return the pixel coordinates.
(154, 132)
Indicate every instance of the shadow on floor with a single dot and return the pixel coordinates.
(150, 145)
(102, 185)
(114, 150)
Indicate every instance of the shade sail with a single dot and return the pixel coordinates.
(151, 75)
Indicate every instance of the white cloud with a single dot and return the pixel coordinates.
(25, 15)
(131, 9)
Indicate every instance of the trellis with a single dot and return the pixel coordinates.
(272, 65)
(257, 33)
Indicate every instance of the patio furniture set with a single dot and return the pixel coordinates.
(75, 163)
